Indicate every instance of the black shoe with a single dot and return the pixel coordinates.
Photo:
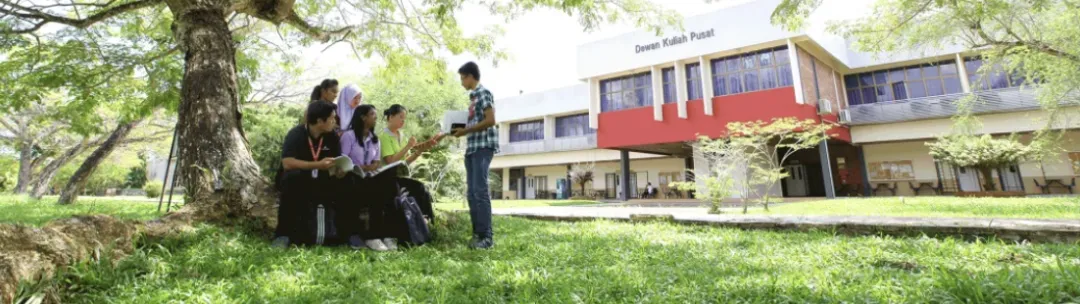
(281, 242)
(484, 243)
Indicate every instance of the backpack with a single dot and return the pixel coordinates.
(415, 230)
(318, 226)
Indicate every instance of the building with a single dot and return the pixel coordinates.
(644, 98)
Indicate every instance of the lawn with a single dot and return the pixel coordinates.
(516, 204)
(22, 210)
(570, 262)
(1034, 208)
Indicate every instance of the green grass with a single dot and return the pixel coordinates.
(516, 204)
(590, 262)
(22, 210)
(1034, 208)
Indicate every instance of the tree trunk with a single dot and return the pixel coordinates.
(988, 179)
(41, 183)
(26, 167)
(78, 180)
(221, 178)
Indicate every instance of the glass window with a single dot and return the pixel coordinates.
(993, 77)
(693, 81)
(908, 82)
(527, 131)
(899, 91)
(916, 89)
(948, 69)
(953, 86)
(573, 125)
(934, 88)
(879, 77)
(853, 96)
(626, 92)
(668, 75)
(930, 71)
(752, 72)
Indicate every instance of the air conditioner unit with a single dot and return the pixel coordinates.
(845, 116)
(824, 106)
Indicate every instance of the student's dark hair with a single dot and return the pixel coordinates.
(470, 68)
(320, 109)
(316, 94)
(358, 121)
(393, 110)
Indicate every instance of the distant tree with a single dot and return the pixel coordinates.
(136, 176)
(983, 153)
(582, 174)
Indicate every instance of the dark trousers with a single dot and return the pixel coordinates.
(376, 194)
(298, 192)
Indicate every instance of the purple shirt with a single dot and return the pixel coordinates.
(362, 153)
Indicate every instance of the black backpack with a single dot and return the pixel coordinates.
(415, 231)
(319, 227)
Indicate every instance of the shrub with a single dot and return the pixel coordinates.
(153, 189)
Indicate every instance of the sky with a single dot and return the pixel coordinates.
(542, 45)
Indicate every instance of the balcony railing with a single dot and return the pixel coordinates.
(550, 145)
(1003, 100)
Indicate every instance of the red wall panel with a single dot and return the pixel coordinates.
(636, 127)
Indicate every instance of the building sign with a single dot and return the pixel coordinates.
(674, 40)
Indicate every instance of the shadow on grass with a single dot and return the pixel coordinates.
(595, 262)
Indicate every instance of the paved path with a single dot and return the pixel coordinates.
(1067, 231)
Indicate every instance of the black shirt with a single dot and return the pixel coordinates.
(299, 144)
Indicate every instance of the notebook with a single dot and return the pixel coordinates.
(366, 174)
(454, 119)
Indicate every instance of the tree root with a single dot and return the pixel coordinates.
(35, 254)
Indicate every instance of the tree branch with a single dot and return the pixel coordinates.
(13, 9)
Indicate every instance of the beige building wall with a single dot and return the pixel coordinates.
(1002, 123)
(1059, 167)
(562, 158)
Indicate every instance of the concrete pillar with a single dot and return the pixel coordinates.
(964, 82)
(680, 88)
(793, 54)
(505, 181)
(706, 85)
(504, 134)
(549, 127)
(594, 103)
(624, 160)
(826, 169)
(865, 172)
(657, 93)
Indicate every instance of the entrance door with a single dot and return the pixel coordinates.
(795, 182)
(530, 188)
(1010, 178)
(969, 179)
(542, 188)
(611, 183)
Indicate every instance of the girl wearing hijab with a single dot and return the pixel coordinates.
(360, 144)
(349, 98)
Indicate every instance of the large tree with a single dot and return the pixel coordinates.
(221, 178)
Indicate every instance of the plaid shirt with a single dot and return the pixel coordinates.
(488, 138)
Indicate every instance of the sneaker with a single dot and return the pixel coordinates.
(484, 243)
(390, 243)
(376, 245)
(281, 242)
(356, 243)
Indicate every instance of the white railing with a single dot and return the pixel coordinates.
(1002, 100)
(550, 145)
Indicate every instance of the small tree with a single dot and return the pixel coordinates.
(582, 174)
(725, 176)
(983, 153)
(771, 144)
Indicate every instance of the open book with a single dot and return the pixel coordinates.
(344, 163)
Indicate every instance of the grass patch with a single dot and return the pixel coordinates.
(590, 262)
(1031, 208)
(517, 204)
(26, 211)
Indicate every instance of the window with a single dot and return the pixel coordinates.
(762, 70)
(903, 83)
(668, 75)
(891, 170)
(526, 131)
(573, 125)
(693, 81)
(994, 77)
(626, 92)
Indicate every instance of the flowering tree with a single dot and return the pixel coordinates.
(984, 153)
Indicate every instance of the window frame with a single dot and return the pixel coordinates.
(583, 117)
(514, 129)
(628, 86)
(746, 72)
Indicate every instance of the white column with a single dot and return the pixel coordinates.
(964, 82)
(594, 102)
(706, 85)
(549, 127)
(657, 93)
(504, 134)
(793, 53)
(505, 180)
(680, 88)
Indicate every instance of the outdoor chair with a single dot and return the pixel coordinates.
(885, 187)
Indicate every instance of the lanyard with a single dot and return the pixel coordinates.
(315, 152)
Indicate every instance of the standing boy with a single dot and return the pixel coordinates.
(483, 143)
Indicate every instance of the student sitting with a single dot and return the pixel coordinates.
(360, 144)
(308, 175)
(395, 148)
